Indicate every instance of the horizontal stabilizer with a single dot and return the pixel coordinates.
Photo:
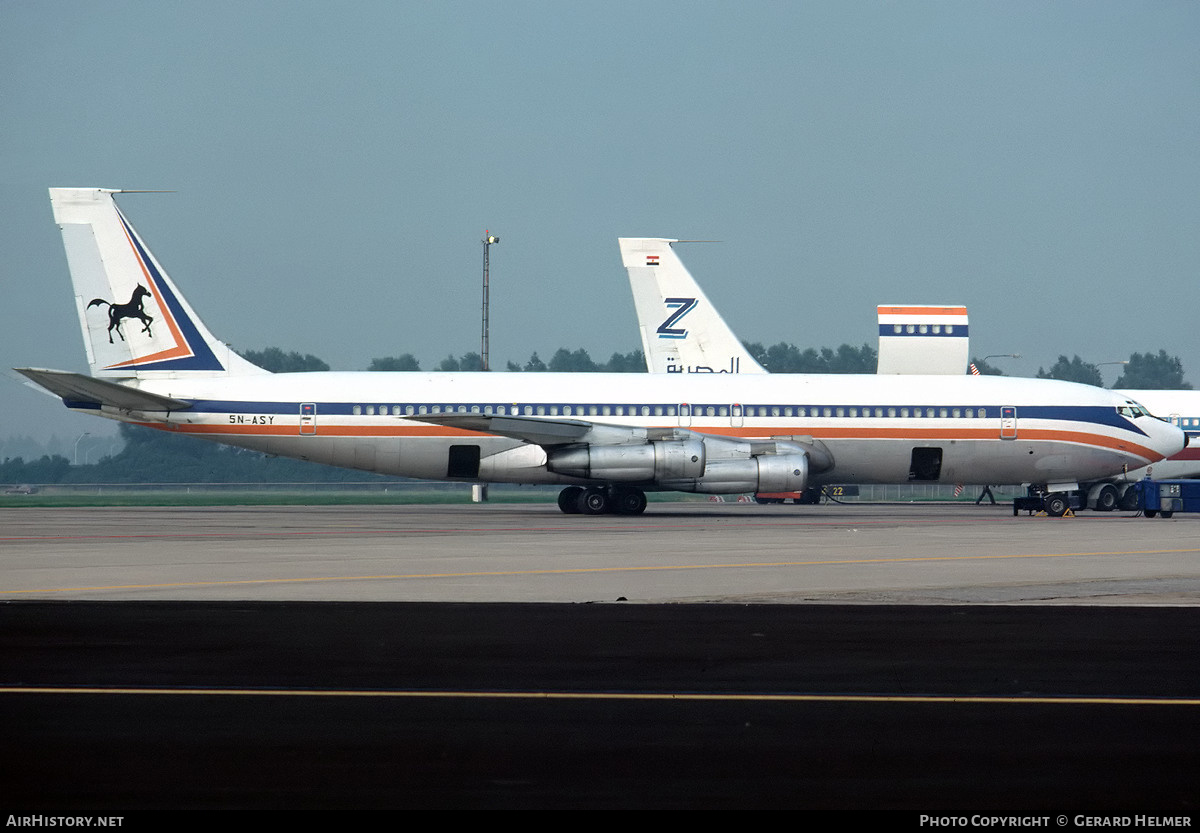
(75, 388)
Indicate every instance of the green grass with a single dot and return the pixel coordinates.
(108, 496)
(165, 497)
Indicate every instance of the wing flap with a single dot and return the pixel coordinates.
(530, 429)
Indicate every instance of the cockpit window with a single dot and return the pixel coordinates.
(1132, 410)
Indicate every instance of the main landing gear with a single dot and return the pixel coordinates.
(600, 500)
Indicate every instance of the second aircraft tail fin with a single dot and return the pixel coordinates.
(681, 331)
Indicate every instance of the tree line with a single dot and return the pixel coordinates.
(778, 358)
(1143, 371)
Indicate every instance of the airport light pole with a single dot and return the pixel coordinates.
(479, 490)
(1102, 364)
(81, 436)
(488, 240)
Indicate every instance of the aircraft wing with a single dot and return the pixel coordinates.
(549, 432)
(544, 431)
(77, 388)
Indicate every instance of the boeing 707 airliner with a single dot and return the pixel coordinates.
(606, 438)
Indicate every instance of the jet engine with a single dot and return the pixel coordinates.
(654, 461)
(765, 473)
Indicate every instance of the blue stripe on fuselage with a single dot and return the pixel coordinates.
(1090, 414)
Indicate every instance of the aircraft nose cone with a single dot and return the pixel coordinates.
(1175, 441)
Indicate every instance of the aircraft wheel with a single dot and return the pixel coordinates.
(594, 501)
(1128, 501)
(568, 499)
(1107, 499)
(1056, 505)
(629, 502)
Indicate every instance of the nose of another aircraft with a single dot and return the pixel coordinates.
(1169, 439)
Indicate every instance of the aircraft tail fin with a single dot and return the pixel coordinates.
(135, 322)
(681, 331)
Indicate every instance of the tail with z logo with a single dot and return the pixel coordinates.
(681, 330)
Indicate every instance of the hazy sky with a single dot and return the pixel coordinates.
(336, 166)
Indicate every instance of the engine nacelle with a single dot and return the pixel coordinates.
(765, 473)
(647, 462)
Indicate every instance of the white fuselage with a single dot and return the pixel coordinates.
(1050, 432)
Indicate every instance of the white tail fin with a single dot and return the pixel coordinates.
(135, 323)
(928, 340)
(681, 331)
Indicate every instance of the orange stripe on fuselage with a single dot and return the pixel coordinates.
(922, 310)
(921, 434)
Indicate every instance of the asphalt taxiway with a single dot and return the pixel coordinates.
(919, 659)
(684, 552)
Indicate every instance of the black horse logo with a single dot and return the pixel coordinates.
(119, 312)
